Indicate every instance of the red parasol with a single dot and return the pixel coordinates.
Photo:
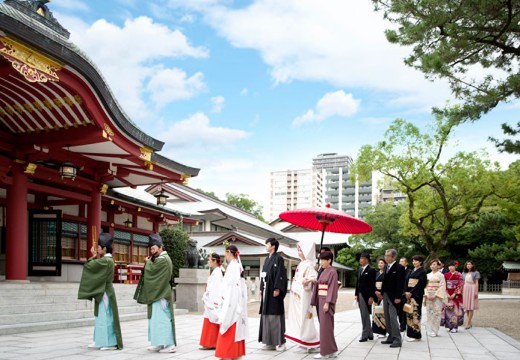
(326, 219)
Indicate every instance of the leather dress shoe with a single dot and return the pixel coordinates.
(370, 338)
(395, 344)
(363, 340)
(387, 342)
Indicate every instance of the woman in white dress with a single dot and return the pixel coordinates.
(301, 328)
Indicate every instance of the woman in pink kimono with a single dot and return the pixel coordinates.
(300, 324)
(325, 294)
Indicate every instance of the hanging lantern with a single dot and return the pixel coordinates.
(161, 197)
(68, 170)
(128, 223)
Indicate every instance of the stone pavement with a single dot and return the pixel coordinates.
(474, 344)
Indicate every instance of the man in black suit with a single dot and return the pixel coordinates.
(393, 287)
(365, 289)
(402, 315)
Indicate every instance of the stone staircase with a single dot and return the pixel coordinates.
(37, 306)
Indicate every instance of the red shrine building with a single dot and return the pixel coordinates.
(65, 143)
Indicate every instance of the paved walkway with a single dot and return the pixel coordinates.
(474, 344)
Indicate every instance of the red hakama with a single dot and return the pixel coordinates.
(227, 347)
(209, 335)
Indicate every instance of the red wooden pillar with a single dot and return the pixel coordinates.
(17, 243)
(93, 220)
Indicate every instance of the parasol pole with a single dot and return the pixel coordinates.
(322, 235)
(324, 224)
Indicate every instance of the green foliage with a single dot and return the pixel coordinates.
(442, 197)
(175, 242)
(242, 201)
(449, 38)
(489, 257)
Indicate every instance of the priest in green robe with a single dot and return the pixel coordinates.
(154, 289)
(96, 283)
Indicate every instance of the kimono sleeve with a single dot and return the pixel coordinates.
(280, 282)
(332, 293)
(93, 279)
(231, 298)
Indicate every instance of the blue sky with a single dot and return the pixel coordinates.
(243, 88)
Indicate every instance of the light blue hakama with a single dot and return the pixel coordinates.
(160, 331)
(104, 334)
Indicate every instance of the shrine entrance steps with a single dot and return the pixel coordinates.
(35, 306)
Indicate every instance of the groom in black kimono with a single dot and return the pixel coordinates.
(273, 287)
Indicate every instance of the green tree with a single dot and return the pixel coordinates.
(489, 257)
(175, 242)
(442, 197)
(509, 196)
(386, 233)
(450, 38)
(242, 201)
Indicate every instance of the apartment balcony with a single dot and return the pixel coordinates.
(365, 197)
(332, 193)
(349, 191)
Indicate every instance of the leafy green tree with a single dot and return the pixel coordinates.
(509, 196)
(175, 242)
(489, 257)
(442, 197)
(242, 201)
(386, 233)
(451, 38)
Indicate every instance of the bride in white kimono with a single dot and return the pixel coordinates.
(301, 328)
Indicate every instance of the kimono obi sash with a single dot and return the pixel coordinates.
(323, 289)
(379, 285)
(432, 287)
(451, 284)
(412, 282)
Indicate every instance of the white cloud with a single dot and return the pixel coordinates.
(169, 85)
(336, 103)
(197, 131)
(342, 43)
(131, 70)
(218, 104)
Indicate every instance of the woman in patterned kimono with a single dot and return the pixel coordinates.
(325, 294)
(453, 315)
(378, 316)
(414, 293)
(435, 296)
(300, 324)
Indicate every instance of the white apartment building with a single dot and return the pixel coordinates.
(294, 189)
